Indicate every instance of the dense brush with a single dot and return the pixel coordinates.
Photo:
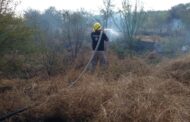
(131, 90)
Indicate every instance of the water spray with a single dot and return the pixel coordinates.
(112, 31)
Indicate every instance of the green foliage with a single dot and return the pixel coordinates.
(14, 35)
(16, 44)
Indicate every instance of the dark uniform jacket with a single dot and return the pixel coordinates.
(95, 38)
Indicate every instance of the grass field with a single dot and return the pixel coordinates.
(131, 90)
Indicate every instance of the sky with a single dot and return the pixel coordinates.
(92, 5)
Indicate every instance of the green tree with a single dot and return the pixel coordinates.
(16, 40)
(14, 34)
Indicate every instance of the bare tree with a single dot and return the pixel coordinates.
(107, 11)
(75, 28)
(131, 18)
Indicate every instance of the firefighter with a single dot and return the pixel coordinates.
(99, 55)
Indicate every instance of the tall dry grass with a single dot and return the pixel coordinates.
(130, 90)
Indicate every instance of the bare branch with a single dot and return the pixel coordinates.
(107, 11)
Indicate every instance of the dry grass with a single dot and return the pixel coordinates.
(131, 91)
(178, 69)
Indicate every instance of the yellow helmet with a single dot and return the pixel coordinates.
(97, 26)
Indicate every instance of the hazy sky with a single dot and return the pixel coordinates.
(92, 5)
